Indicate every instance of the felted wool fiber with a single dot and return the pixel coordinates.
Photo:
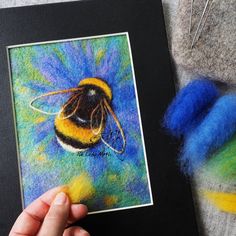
(214, 54)
(222, 164)
(217, 127)
(80, 188)
(189, 106)
(223, 201)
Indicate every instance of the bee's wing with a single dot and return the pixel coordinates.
(97, 119)
(54, 103)
(113, 135)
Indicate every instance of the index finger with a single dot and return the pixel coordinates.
(30, 220)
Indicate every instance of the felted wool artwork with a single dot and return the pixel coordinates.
(71, 135)
(214, 53)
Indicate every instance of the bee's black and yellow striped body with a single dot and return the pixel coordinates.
(75, 133)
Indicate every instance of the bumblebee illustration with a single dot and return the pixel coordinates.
(86, 118)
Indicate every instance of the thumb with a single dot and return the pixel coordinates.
(57, 216)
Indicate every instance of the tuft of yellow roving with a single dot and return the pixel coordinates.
(79, 188)
(223, 201)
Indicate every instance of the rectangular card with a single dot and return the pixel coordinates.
(77, 113)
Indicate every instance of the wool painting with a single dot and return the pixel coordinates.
(78, 122)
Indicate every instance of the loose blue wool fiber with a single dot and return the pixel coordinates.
(189, 106)
(216, 128)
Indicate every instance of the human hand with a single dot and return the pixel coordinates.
(49, 215)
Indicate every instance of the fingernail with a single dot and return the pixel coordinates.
(82, 232)
(60, 199)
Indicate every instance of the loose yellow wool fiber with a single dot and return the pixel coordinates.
(79, 188)
(223, 201)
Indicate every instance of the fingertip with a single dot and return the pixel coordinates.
(78, 211)
(61, 199)
(75, 231)
(80, 207)
(50, 195)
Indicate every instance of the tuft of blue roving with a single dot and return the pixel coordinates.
(190, 106)
(218, 126)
